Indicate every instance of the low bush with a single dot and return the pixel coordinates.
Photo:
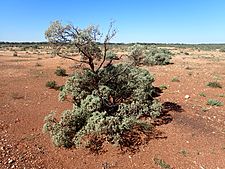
(175, 79)
(15, 54)
(111, 56)
(202, 94)
(213, 102)
(108, 106)
(222, 49)
(108, 99)
(60, 72)
(163, 87)
(151, 56)
(136, 54)
(214, 85)
(38, 64)
(51, 84)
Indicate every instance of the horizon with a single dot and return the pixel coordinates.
(143, 21)
(117, 43)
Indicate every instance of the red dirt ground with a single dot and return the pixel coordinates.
(193, 138)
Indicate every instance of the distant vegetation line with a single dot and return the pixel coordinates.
(206, 46)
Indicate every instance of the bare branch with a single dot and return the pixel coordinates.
(70, 58)
(111, 33)
(85, 40)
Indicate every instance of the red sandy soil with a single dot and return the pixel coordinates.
(192, 138)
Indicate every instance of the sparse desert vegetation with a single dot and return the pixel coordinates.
(197, 117)
(119, 84)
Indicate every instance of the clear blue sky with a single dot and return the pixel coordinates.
(181, 21)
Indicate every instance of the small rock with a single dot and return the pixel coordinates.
(17, 120)
(186, 96)
(10, 161)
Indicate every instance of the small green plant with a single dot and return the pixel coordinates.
(214, 85)
(202, 94)
(60, 71)
(221, 95)
(51, 84)
(162, 163)
(184, 153)
(175, 79)
(190, 73)
(213, 102)
(163, 87)
(60, 88)
(204, 109)
(111, 56)
(37, 64)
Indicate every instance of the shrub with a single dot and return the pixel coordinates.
(60, 72)
(37, 64)
(107, 101)
(157, 56)
(202, 94)
(110, 106)
(163, 87)
(152, 56)
(175, 79)
(51, 84)
(221, 95)
(136, 54)
(222, 49)
(214, 102)
(15, 53)
(214, 85)
(162, 163)
(60, 88)
(111, 56)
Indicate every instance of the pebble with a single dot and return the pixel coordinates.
(10, 161)
(186, 96)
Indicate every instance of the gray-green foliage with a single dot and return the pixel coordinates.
(136, 54)
(107, 101)
(214, 102)
(51, 84)
(111, 56)
(150, 56)
(60, 71)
